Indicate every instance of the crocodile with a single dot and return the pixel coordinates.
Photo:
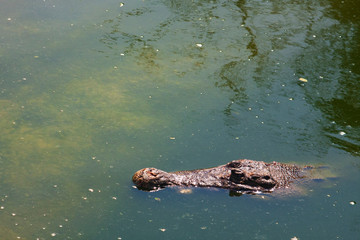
(245, 176)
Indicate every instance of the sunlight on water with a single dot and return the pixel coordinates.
(91, 92)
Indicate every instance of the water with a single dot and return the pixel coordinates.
(92, 91)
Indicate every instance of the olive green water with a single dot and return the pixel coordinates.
(91, 91)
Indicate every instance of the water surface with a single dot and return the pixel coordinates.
(92, 91)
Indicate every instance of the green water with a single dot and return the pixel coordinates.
(91, 91)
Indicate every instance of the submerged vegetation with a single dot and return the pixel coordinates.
(51, 123)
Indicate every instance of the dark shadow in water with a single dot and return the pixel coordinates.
(346, 11)
(230, 79)
(343, 109)
(252, 44)
(229, 73)
(339, 98)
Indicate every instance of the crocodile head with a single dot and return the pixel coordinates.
(150, 179)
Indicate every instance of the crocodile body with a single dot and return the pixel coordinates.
(239, 175)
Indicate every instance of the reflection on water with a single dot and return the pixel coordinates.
(299, 47)
(91, 92)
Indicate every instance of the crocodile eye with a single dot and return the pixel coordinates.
(241, 174)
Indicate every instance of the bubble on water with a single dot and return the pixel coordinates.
(352, 202)
(342, 133)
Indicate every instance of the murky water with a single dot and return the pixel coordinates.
(91, 91)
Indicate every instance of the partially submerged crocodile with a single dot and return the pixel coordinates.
(244, 175)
